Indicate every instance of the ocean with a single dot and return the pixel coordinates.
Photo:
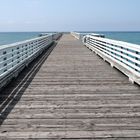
(12, 37)
(131, 37)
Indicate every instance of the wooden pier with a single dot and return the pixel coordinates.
(69, 92)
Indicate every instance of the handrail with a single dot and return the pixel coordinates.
(14, 57)
(81, 35)
(76, 35)
(122, 55)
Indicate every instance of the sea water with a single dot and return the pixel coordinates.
(131, 37)
(12, 37)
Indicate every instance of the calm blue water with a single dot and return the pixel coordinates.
(131, 37)
(11, 37)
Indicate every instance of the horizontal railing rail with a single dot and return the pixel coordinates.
(76, 35)
(14, 57)
(81, 35)
(122, 55)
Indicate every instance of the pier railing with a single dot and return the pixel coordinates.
(76, 35)
(14, 57)
(122, 55)
(81, 35)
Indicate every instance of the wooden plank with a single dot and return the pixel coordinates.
(62, 127)
(74, 134)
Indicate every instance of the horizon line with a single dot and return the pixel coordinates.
(77, 31)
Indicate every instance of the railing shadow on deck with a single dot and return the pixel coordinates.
(13, 92)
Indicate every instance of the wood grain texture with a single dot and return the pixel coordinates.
(70, 93)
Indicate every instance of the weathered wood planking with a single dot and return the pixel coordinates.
(72, 94)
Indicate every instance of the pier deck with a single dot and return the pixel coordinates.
(70, 93)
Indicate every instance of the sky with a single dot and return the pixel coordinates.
(69, 15)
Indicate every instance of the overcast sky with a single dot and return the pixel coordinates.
(69, 15)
